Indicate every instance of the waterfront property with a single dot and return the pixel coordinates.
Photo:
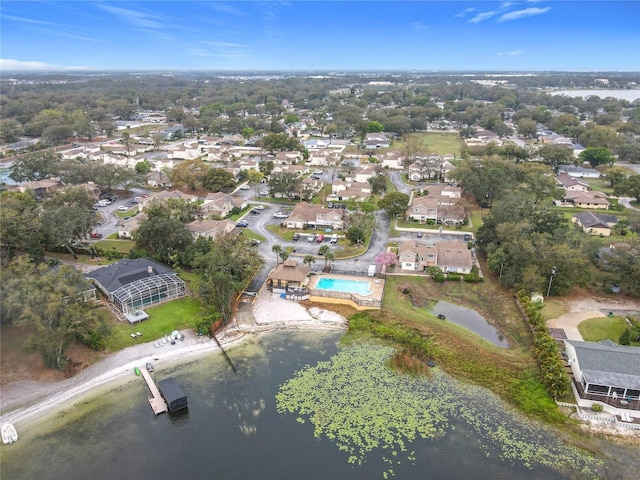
(361, 294)
(132, 285)
(289, 279)
(605, 372)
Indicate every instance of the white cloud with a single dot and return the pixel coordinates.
(419, 26)
(8, 64)
(513, 53)
(484, 16)
(134, 17)
(527, 12)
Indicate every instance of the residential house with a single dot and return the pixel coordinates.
(315, 143)
(588, 199)
(606, 372)
(132, 285)
(39, 188)
(571, 184)
(211, 228)
(392, 160)
(438, 209)
(186, 151)
(578, 172)
(443, 191)
(92, 189)
(595, 223)
(164, 196)
(306, 215)
(159, 179)
(376, 140)
(364, 172)
(346, 190)
(221, 204)
(449, 256)
(288, 277)
(127, 228)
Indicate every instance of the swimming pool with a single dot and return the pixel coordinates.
(344, 285)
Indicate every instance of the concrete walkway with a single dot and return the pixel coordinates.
(569, 322)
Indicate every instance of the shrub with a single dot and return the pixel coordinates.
(596, 407)
(625, 337)
(439, 278)
(453, 278)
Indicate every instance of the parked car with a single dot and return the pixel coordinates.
(329, 205)
(123, 208)
(467, 237)
(264, 192)
(334, 238)
(317, 172)
(103, 203)
(259, 207)
(320, 238)
(96, 235)
(311, 238)
(419, 234)
(280, 215)
(255, 211)
(245, 187)
(296, 237)
(242, 224)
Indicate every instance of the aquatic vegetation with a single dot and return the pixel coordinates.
(360, 404)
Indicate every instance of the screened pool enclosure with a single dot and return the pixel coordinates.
(148, 291)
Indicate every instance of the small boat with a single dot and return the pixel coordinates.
(441, 317)
(9, 433)
(137, 371)
(149, 366)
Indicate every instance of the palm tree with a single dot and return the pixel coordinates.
(277, 249)
(284, 255)
(328, 257)
(309, 259)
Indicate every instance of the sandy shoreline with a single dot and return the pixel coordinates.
(28, 401)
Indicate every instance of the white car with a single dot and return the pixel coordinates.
(280, 215)
(317, 172)
(123, 208)
(245, 187)
(264, 192)
(103, 203)
(259, 207)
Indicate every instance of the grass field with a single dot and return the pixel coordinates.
(433, 142)
(597, 329)
(120, 246)
(163, 319)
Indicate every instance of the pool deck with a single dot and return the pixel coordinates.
(376, 285)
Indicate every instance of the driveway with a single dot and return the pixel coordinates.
(569, 322)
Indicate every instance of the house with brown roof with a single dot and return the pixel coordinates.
(441, 209)
(306, 215)
(392, 160)
(346, 190)
(587, 199)
(39, 188)
(364, 172)
(450, 256)
(571, 184)
(288, 276)
(221, 204)
(164, 196)
(210, 228)
(159, 179)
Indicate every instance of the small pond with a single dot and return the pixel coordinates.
(471, 320)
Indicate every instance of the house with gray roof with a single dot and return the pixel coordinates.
(595, 223)
(606, 372)
(132, 284)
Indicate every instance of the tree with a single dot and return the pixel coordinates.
(412, 147)
(378, 183)
(615, 175)
(189, 173)
(157, 138)
(286, 183)
(35, 166)
(216, 179)
(162, 237)
(20, 223)
(556, 155)
(527, 127)
(596, 156)
(386, 258)
(67, 220)
(277, 249)
(291, 118)
(394, 203)
(49, 303)
(309, 259)
(355, 235)
(143, 167)
(323, 251)
(374, 127)
(630, 186)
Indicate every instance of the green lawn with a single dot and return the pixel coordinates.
(120, 246)
(597, 329)
(434, 142)
(163, 319)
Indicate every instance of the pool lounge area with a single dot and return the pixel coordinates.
(361, 292)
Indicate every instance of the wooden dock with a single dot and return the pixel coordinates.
(156, 401)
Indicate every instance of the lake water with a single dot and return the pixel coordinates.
(629, 95)
(232, 429)
(471, 320)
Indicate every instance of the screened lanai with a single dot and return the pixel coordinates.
(148, 291)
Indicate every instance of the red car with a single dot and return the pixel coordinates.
(96, 235)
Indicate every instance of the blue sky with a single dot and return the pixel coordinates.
(320, 35)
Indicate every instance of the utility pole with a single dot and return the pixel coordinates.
(553, 273)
